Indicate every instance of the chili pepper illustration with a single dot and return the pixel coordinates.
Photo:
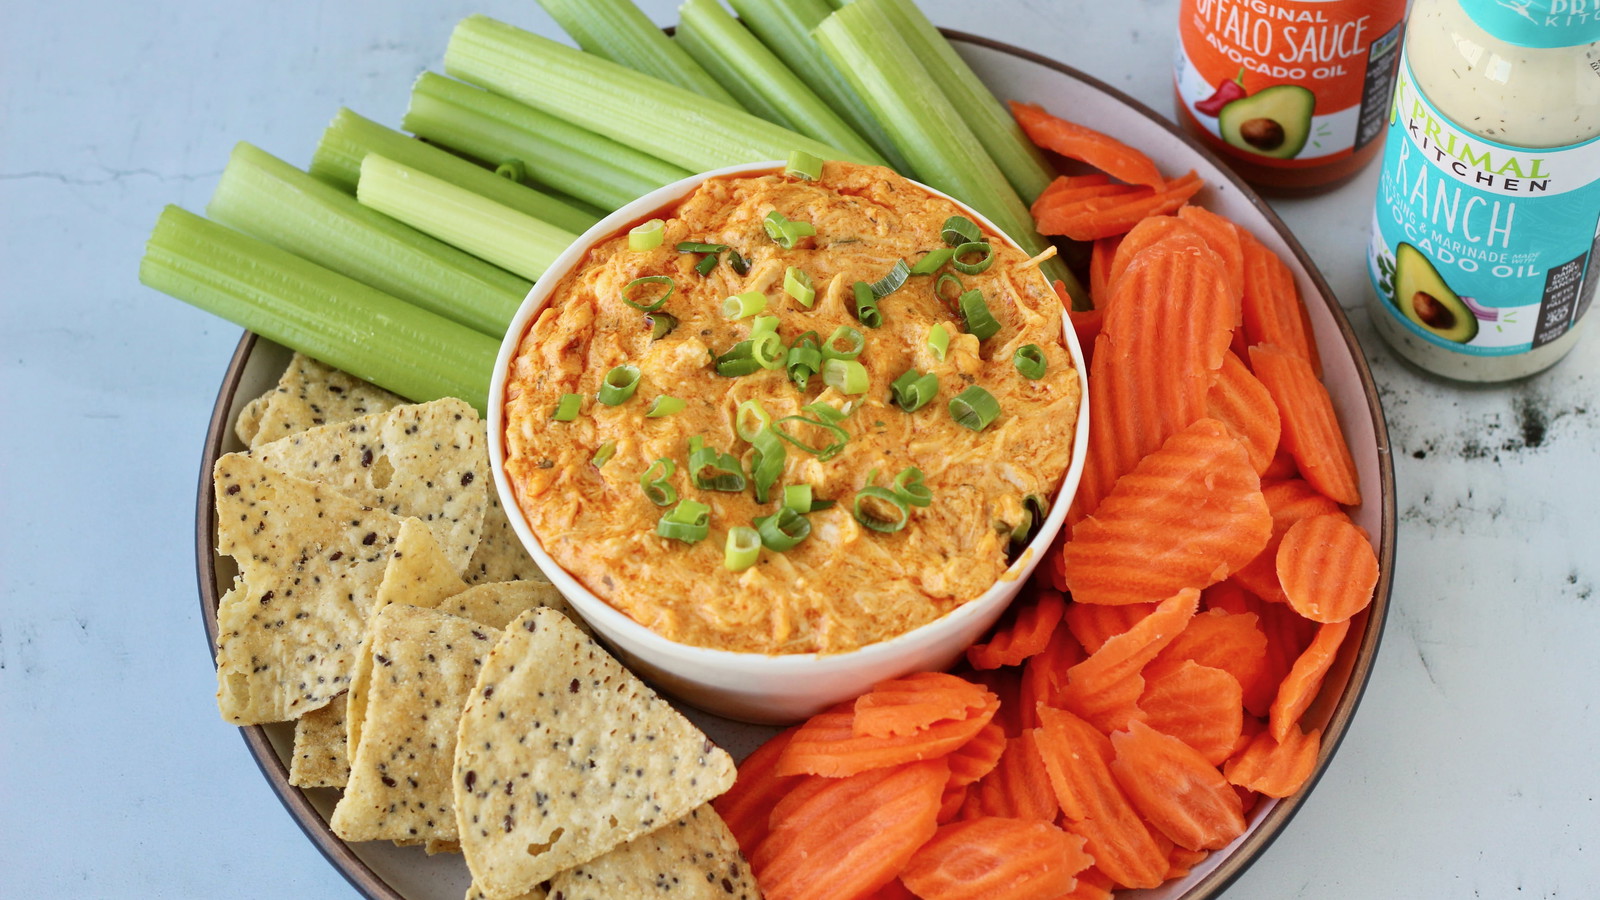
(1227, 92)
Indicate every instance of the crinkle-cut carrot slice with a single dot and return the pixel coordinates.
(894, 890)
(1086, 324)
(1181, 861)
(907, 705)
(1148, 232)
(1005, 684)
(1327, 568)
(1273, 311)
(1300, 687)
(996, 859)
(1175, 788)
(1105, 688)
(1044, 675)
(1064, 183)
(1097, 217)
(1311, 430)
(1100, 259)
(1228, 596)
(1075, 141)
(1187, 516)
(826, 744)
(1199, 705)
(952, 801)
(1289, 501)
(848, 837)
(1239, 400)
(1222, 236)
(1232, 642)
(1282, 467)
(1093, 624)
(1288, 635)
(1026, 633)
(977, 757)
(1066, 200)
(747, 806)
(1276, 768)
(1018, 787)
(1078, 758)
(1093, 884)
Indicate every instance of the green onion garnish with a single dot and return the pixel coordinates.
(661, 324)
(959, 259)
(783, 529)
(830, 350)
(822, 453)
(627, 292)
(847, 376)
(766, 462)
(891, 282)
(739, 360)
(980, 322)
(604, 454)
(785, 232)
(797, 284)
(698, 247)
(797, 497)
(705, 265)
(826, 412)
(567, 407)
(655, 485)
(714, 471)
(618, 385)
(930, 264)
(748, 303)
(939, 340)
(908, 485)
(1020, 531)
(512, 170)
(871, 519)
(646, 236)
(663, 406)
(948, 298)
(737, 263)
(763, 325)
(960, 230)
(867, 311)
(751, 418)
(767, 349)
(803, 360)
(914, 390)
(803, 165)
(1035, 509)
(689, 521)
(1029, 360)
(974, 408)
(742, 549)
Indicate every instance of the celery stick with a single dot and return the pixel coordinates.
(1024, 165)
(667, 121)
(482, 227)
(617, 30)
(724, 71)
(861, 40)
(269, 199)
(297, 303)
(350, 137)
(718, 40)
(785, 26)
(586, 165)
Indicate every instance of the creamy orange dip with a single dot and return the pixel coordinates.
(845, 585)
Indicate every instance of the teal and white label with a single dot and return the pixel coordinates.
(1538, 23)
(1480, 247)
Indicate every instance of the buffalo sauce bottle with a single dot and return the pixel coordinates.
(1293, 94)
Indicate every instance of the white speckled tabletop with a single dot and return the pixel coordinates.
(1470, 769)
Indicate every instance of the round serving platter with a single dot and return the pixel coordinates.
(381, 871)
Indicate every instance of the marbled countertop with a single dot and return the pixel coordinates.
(1469, 771)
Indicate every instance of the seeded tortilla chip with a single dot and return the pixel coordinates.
(249, 422)
(539, 893)
(319, 747)
(695, 858)
(563, 755)
(425, 460)
(310, 394)
(310, 562)
(500, 555)
(496, 605)
(419, 573)
(418, 666)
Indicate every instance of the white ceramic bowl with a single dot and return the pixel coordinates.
(755, 687)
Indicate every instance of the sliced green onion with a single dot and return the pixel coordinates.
(689, 521)
(647, 236)
(567, 407)
(974, 408)
(1035, 510)
(714, 471)
(867, 311)
(742, 549)
(826, 412)
(706, 264)
(783, 529)
(797, 284)
(893, 281)
(512, 169)
(661, 324)
(939, 340)
(698, 247)
(750, 419)
(803, 360)
(908, 485)
(844, 333)
(1029, 360)
(876, 522)
(847, 376)
(737, 263)
(663, 406)
(742, 305)
(933, 261)
(784, 231)
(980, 321)
(824, 452)
(914, 390)
(604, 454)
(618, 385)
(766, 462)
(820, 505)
(966, 268)
(767, 350)
(628, 289)
(797, 497)
(951, 297)
(1020, 531)
(739, 360)
(763, 325)
(655, 485)
(960, 230)
(804, 165)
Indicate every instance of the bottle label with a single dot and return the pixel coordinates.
(1481, 247)
(1537, 23)
(1288, 83)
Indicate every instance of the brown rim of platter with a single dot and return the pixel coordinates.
(1357, 662)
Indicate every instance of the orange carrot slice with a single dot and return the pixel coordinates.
(1282, 466)
(952, 801)
(1093, 624)
(904, 706)
(1025, 635)
(1187, 516)
(1232, 642)
(977, 757)
(1304, 680)
(1327, 568)
(1072, 140)
(1222, 236)
(894, 890)
(1238, 399)
(1097, 217)
(1181, 861)
(1018, 787)
(1093, 884)
(747, 806)
(996, 859)
(1175, 788)
(1100, 258)
(1199, 705)
(1086, 324)
(1005, 684)
(1289, 501)
(1311, 429)
(1066, 183)
(1273, 768)
(1147, 233)
(1065, 200)
(1288, 635)
(1105, 687)
(1044, 675)
(826, 744)
(1228, 596)
(1273, 311)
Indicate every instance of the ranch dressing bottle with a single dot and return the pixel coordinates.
(1487, 225)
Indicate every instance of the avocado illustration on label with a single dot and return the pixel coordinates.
(1424, 298)
(1275, 121)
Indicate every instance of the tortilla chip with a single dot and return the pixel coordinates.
(695, 858)
(310, 562)
(419, 573)
(310, 394)
(417, 668)
(425, 460)
(319, 747)
(563, 755)
(496, 605)
(248, 425)
(539, 893)
(500, 555)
